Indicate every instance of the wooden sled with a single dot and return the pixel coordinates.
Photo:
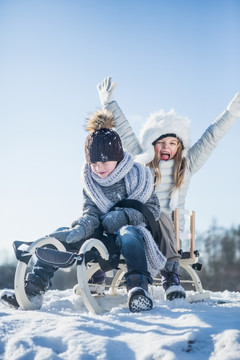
(189, 263)
(85, 269)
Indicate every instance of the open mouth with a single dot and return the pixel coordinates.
(165, 156)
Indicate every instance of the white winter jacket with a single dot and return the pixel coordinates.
(196, 156)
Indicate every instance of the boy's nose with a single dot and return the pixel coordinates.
(99, 168)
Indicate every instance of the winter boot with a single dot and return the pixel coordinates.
(171, 282)
(138, 297)
(35, 285)
(97, 283)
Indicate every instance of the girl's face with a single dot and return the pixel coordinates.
(103, 169)
(166, 148)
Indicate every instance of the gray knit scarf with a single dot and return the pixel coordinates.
(138, 182)
(139, 186)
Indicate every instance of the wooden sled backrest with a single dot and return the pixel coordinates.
(191, 215)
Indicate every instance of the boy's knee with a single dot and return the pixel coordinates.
(128, 234)
(128, 230)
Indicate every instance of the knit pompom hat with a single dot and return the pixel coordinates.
(103, 143)
(158, 126)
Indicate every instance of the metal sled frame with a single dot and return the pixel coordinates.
(24, 257)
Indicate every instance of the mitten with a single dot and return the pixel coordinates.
(77, 234)
(105, 90)
(234, 105)
(61, 234)
(114, 220)
(75, 222)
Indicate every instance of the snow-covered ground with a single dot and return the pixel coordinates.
(63, 329)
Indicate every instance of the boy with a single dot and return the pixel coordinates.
(110, 175)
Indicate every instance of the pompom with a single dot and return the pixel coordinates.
(101, 119)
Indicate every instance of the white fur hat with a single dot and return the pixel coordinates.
(159, 124)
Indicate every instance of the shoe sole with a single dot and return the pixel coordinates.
(140, 302)
(10, 300)
(175, 292)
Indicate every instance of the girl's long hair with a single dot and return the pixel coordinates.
(179, 168)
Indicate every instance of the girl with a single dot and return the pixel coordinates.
(164, 145)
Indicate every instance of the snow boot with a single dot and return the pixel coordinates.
(171, 282)
(34, 286)
(138, 297)
(97, 283)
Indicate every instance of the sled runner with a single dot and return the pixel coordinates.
(94, 255)
(24, 252)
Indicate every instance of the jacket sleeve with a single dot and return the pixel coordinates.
(202, 149)
(128, 137)
(135, 217)
(90, 218)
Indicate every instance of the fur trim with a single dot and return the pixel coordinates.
(147, 155)
(101, 119)
(158, 124)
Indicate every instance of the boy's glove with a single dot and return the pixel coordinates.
(234, 105)
(77, 234)
(105, 90)
(75, 222)
(114, 220)
(61, 234)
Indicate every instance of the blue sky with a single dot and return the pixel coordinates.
(163, 54)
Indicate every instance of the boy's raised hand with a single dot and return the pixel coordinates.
(105, 90)
(234, 105)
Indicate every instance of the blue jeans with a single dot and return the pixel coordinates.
(131, 244)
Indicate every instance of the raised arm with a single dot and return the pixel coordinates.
(128, 137)
(202, 149)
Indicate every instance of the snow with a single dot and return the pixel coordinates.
(63, 329)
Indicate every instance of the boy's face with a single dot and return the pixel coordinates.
(166, 148)
(103, 169)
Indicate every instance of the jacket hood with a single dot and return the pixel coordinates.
(158, 124)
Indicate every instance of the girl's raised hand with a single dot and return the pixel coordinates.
(105, 90)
